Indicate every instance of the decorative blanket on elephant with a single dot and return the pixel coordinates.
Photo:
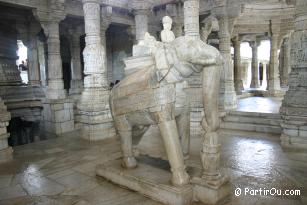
(140, 91)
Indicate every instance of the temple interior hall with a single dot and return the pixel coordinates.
(152, 102)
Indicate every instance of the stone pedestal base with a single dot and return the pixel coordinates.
(211, 193)
(95, 132)
(95, 116)
(6, 154)
(228, 100)
(58, 116)
(294, 136)
(5, 150)
(147, 180)
(76, 87)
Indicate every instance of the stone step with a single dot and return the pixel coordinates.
(251, 127)
(243, 133)
(255, 114)
(253, 120)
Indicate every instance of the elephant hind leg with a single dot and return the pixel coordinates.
(125, 133)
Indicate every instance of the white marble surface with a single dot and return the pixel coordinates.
(37, 176)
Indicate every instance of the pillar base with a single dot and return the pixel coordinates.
(76, 87)
(275, 93)
(6, 155)
(254, 84)
(228, 100)
(35, 82)
(95, 132)
(239, 87)
(55, 89)
(55, 93)
(211, 193)
(58, 116)
(95, 116)
(294, 136)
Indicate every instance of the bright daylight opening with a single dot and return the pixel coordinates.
(22, 61)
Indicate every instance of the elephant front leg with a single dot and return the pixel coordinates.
(183, 124)
(169, 132)
(125, 133)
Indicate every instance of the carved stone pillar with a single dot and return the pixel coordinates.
(42, 60)
(191, 18)
(255, 65)
(237, 66)
(58, 115)
(96, 119)
(287, 65)
(76, 83)
(104, 25)
(294, 105)
(55, 88)
(228, 98)
(178, 28)
(286, 68)
(264, 70)
(5, 150)
(141, 10)
(106, 13)
(274, 81)
(33, 63)
(211, 187)
(245, 68)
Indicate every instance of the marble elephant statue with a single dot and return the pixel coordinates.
(155, 95)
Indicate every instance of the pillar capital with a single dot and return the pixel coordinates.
(140, 7)
(106, 17)
(219, 9)
(237, 39)
(254, 44)
(54, 14)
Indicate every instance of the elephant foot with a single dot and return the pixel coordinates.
(129, 162)
(180, 178)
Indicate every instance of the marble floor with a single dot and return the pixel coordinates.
(259, 104)
(61, 171)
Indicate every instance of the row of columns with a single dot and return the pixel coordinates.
(231, 80)
(273, 69)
